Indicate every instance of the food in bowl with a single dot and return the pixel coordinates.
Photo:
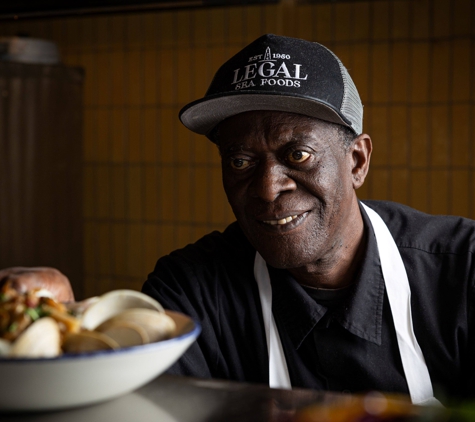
(45, 384)
(33, 324)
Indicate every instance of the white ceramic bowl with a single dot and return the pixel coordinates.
(75, 380)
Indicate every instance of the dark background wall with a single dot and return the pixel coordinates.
(41, 167)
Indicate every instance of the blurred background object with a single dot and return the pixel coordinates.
(41, 160)
(28, 50)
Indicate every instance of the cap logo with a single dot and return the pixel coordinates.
(272, 69)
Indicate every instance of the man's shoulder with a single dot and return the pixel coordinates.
(196, 275)
(416, 229)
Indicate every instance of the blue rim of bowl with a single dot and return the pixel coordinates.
(104, 353)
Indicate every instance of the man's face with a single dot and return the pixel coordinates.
(289, 181)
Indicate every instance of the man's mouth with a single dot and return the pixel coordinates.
(284, 220)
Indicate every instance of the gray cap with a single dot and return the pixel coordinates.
(280, 74)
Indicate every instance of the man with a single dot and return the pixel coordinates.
(311, 287)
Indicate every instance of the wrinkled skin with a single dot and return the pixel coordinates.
(278, 165)
(29, 278)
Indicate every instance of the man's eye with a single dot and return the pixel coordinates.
(239, 163)
(298, 156)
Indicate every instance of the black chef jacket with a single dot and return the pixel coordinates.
(351, 347)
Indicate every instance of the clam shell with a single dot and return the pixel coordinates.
(183, 323)
(125, 333)
(115, 302)
(40, 339)
(157, 325)
(88, 341)
(78, 308)
(5, 347)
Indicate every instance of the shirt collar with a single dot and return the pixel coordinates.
(361, 314)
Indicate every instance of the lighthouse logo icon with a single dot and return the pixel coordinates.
(267, 55)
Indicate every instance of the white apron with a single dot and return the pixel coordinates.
(399, 295)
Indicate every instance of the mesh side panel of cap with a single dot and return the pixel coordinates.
(351, 106)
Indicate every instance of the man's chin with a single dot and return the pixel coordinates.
(280, 250)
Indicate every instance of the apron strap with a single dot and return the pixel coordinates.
(399, 295)
(278, 373)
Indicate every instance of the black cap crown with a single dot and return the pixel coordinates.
(283, 74)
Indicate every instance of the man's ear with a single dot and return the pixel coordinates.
(361, 154)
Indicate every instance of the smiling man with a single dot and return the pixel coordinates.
(311, 287)
(291, 183)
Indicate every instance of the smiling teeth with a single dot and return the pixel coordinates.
(281, 221)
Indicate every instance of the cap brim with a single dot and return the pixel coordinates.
(203, 115)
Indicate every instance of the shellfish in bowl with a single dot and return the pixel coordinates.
(87, 352)
(121, 318)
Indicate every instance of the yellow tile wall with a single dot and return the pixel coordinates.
(151, 186)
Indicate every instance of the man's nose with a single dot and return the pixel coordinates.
(270, 180)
